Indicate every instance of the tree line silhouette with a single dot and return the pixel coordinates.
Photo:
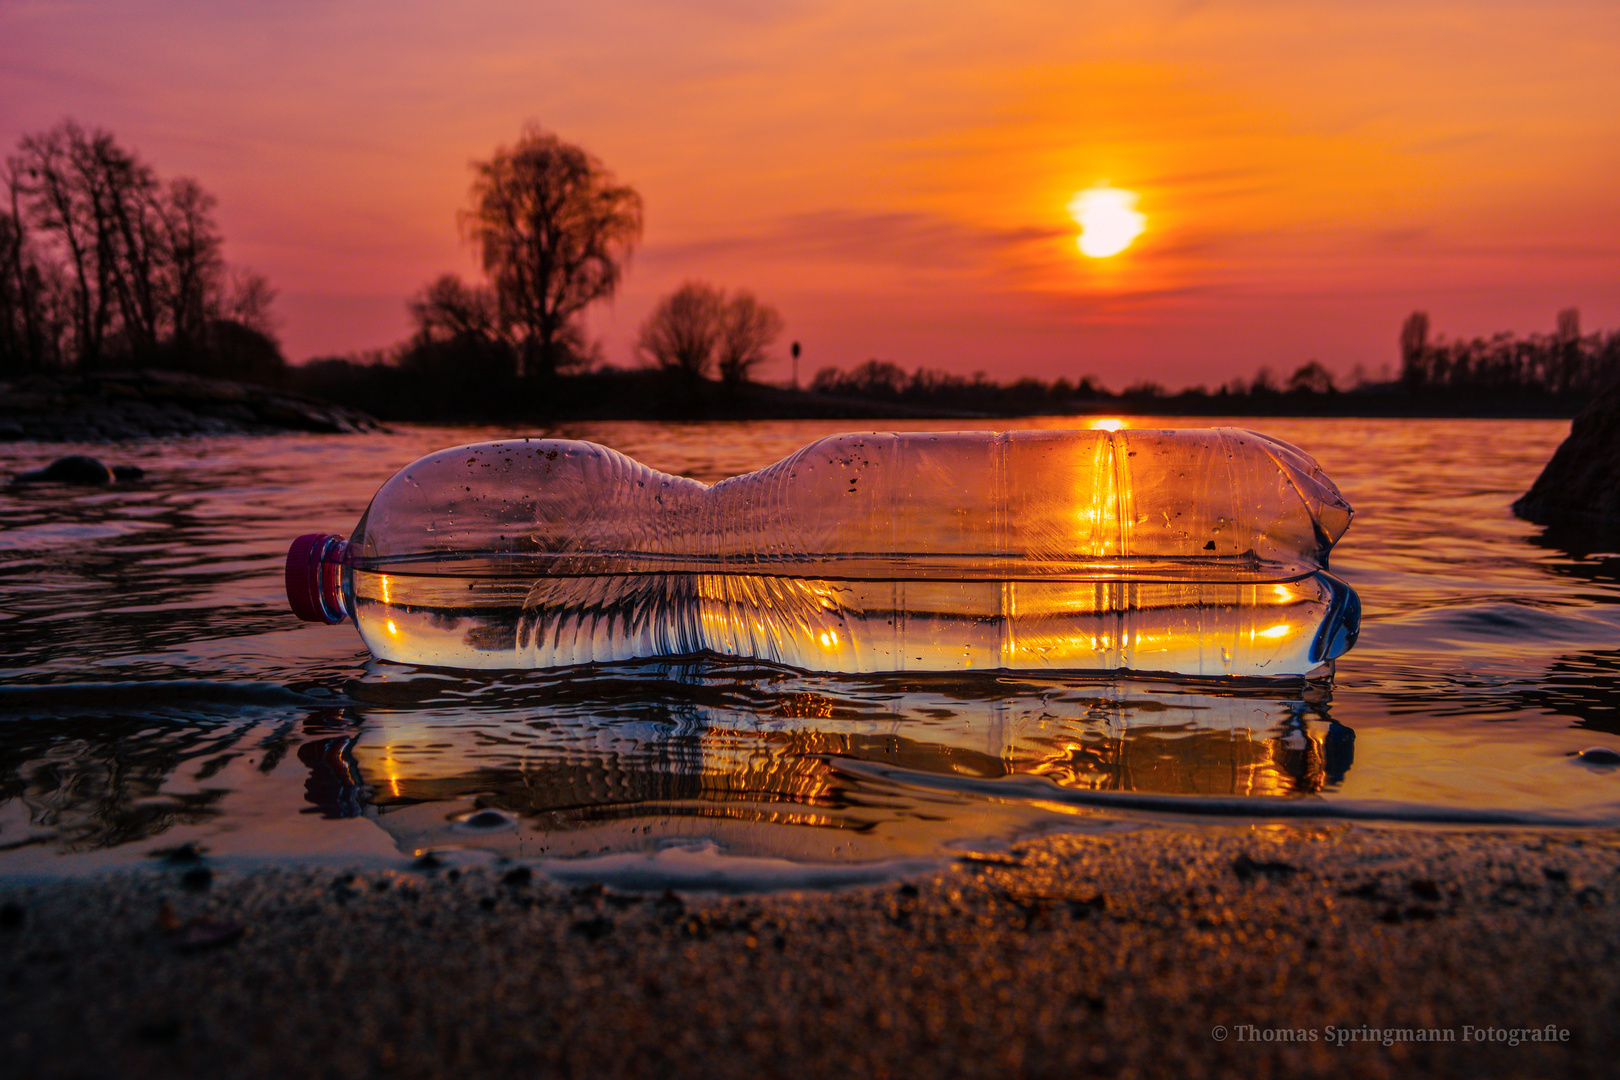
(1565, 363)
(104, 264)
(928, 388)
(1503, 374)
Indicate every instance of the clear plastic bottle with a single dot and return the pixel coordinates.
(1200, 552)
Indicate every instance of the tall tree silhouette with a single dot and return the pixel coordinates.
(1414, 347)
(553, 228)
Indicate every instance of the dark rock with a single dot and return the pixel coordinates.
(165, 1030)
(197, 879)
(183, 855)
(1580, 487)
(75, 469)
(1425, 889)
(1246, 868)
(487, 819)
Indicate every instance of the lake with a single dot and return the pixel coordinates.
(159, 697)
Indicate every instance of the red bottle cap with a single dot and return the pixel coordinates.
(314, 577)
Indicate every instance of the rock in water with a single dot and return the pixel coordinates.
(75, 469)
(1580, 487)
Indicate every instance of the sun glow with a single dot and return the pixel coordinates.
(1108, 220)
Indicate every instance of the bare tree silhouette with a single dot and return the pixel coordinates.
(449, 309)
(553, 228)
(697, 328)
(1311, 378)
(101, 262)
(682, 331)
(747, 329)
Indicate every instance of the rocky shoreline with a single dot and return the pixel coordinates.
(123, 406)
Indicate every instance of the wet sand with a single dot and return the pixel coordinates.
(1248, 951)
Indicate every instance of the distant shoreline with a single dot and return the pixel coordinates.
(118, 406)
(657, 395)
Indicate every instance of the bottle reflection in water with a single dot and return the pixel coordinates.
(1196, 552)
(824, 768)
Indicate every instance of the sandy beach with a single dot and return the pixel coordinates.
(1159, 951)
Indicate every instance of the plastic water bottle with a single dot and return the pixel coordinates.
(1200, 552)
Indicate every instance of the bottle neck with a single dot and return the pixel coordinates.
(315, 577)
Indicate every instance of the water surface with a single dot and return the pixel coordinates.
(157, 693)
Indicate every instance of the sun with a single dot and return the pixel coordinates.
(1108, 219)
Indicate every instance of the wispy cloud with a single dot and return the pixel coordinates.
(912, 239)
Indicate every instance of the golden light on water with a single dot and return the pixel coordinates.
(391, 768)
(1108, 220)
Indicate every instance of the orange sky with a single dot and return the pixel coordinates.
(894, 177)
